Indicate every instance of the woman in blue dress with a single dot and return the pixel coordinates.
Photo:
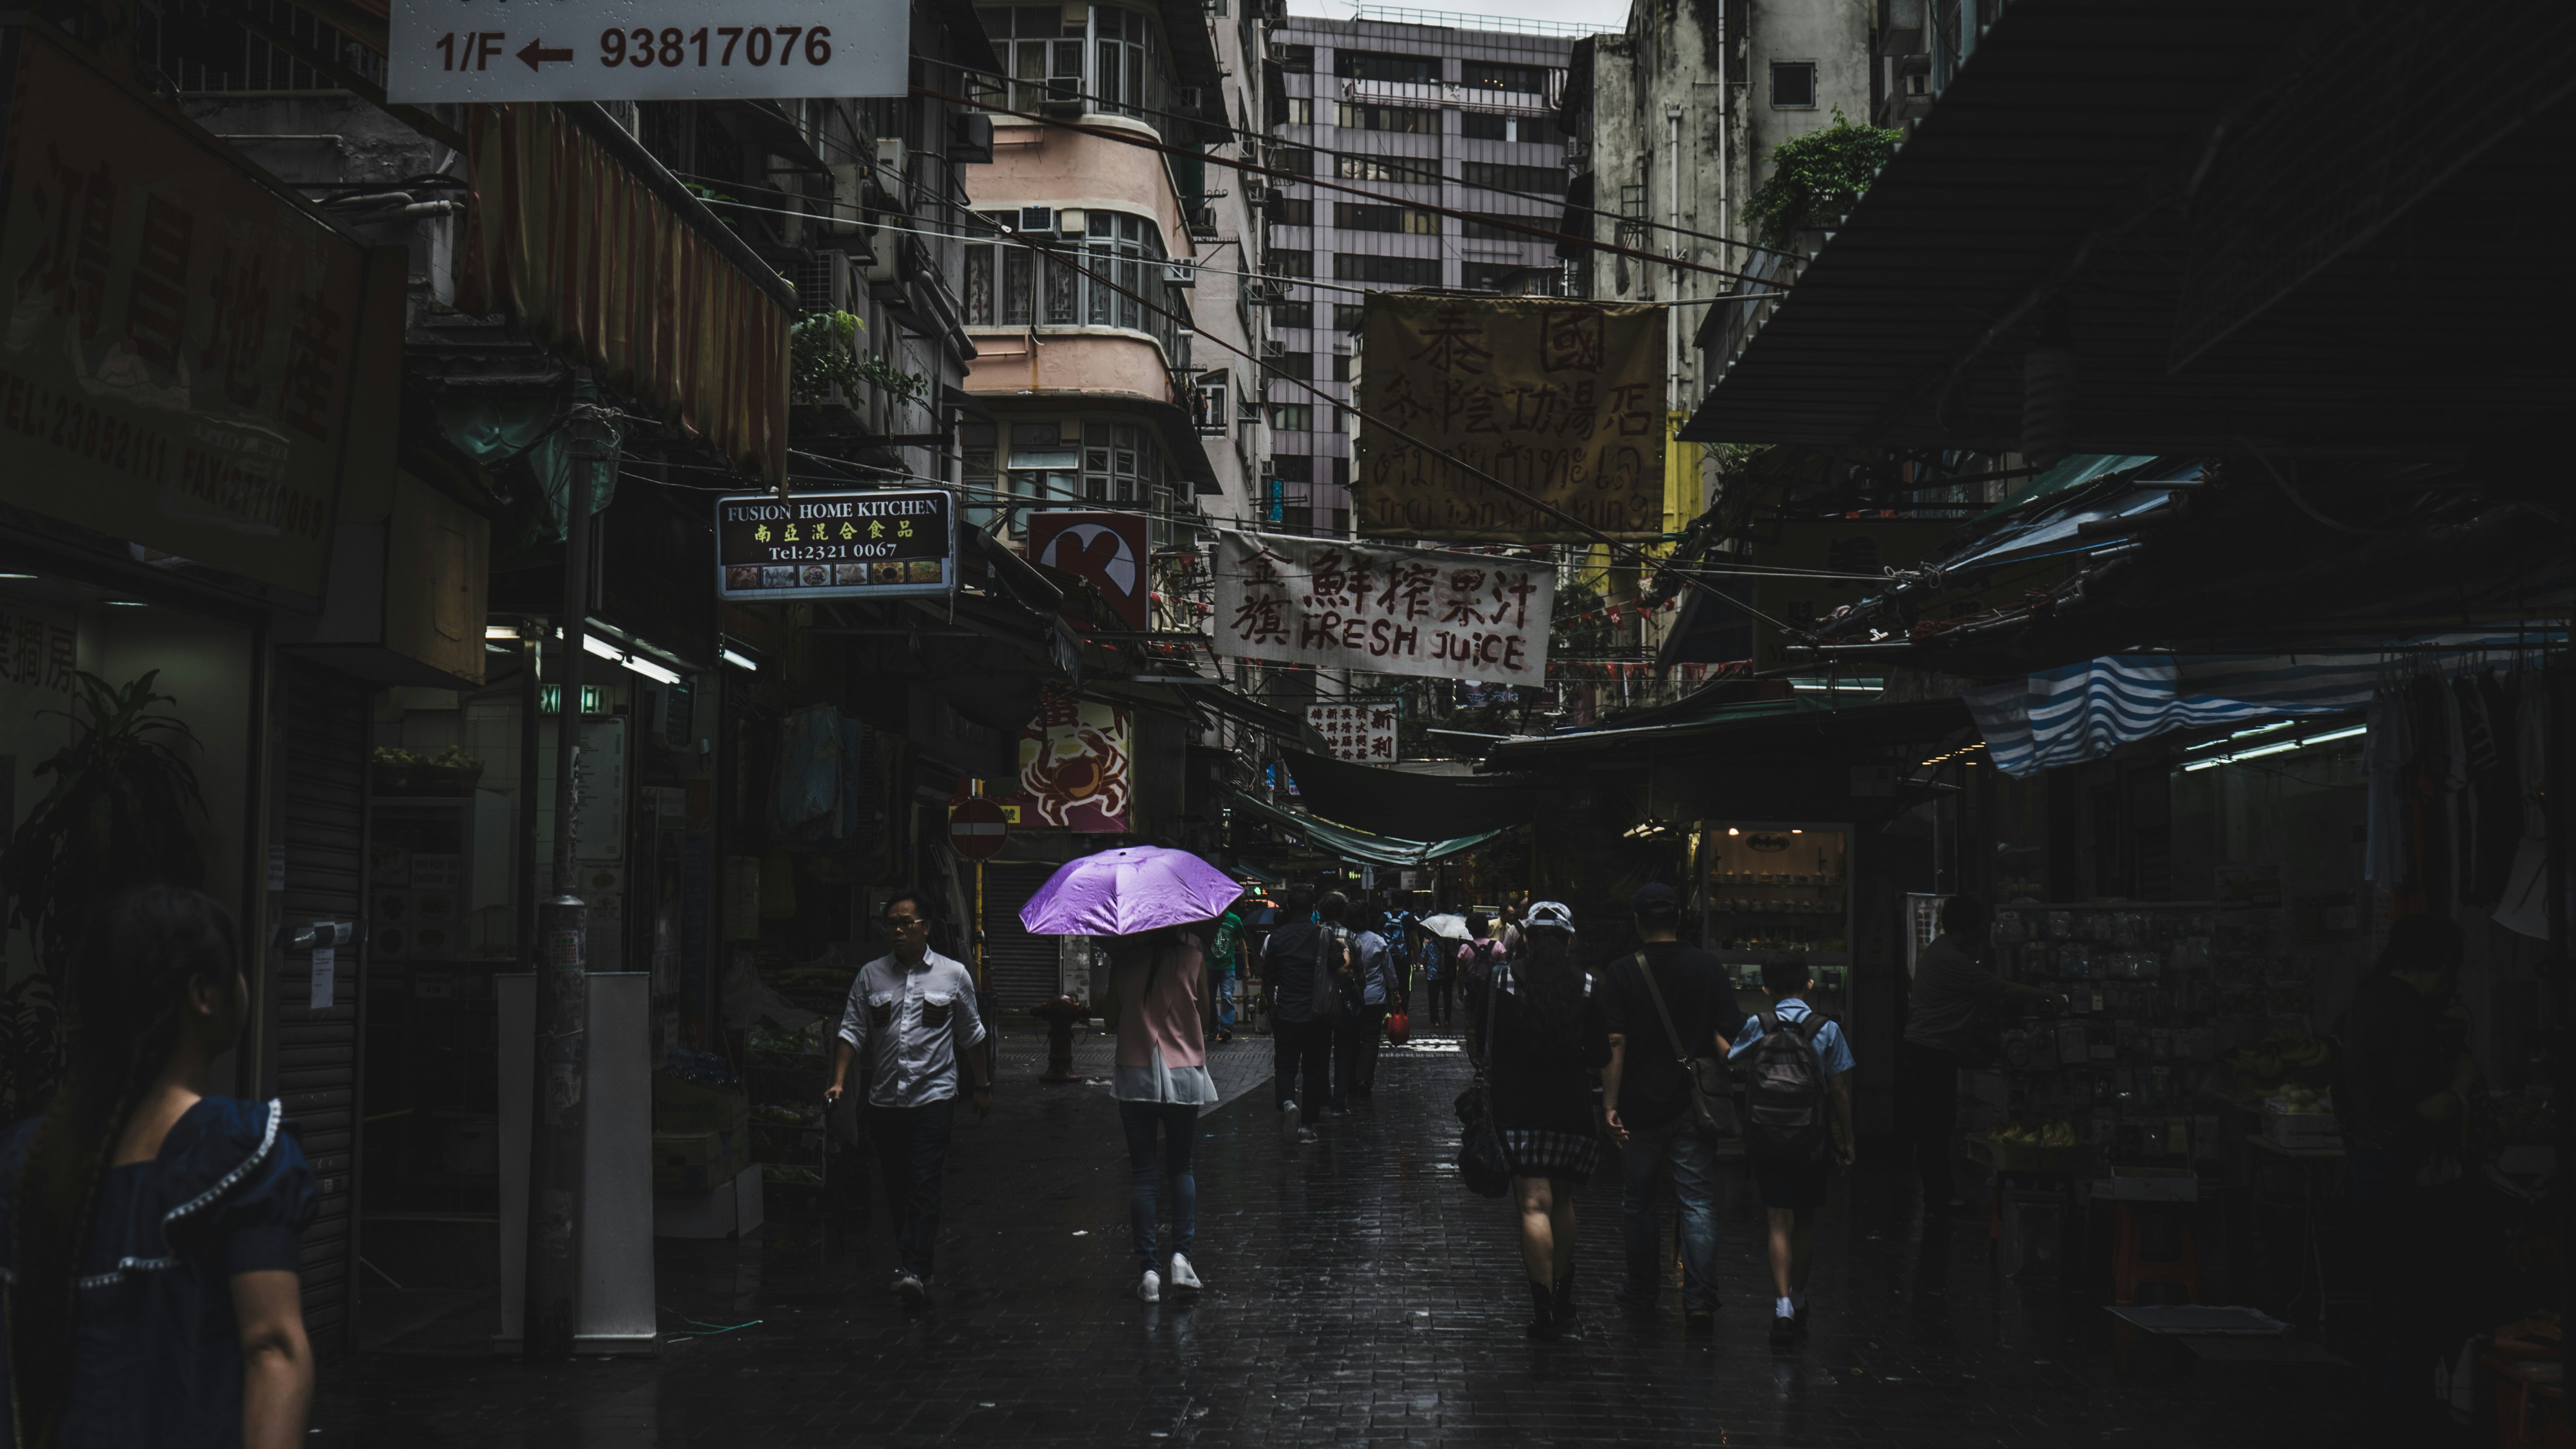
(152, 1231)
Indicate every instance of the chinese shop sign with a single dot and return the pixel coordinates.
(186, 341)
(1562, 400)
(887, 545)
(1361, 729)
(1314, 601)
(1075, 767)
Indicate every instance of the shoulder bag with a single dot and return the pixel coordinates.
(1712, 1095)
(1482, 1164)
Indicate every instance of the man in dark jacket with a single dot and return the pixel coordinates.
(1301, 1033)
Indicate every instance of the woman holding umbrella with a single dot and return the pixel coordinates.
(1541, 1037)
(1158, 908)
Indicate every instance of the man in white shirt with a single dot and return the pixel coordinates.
(911, 1016)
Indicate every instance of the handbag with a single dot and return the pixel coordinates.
(1482, 1164)
(1712, 1095)
(1398, 1027)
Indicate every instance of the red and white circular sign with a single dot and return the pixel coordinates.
(977, 828)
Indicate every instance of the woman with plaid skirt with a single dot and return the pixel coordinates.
(1539, 1031)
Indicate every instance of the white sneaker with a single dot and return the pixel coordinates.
(1183, 1275)
(1150, 1287)
(913, 1291)
(1288, 1127)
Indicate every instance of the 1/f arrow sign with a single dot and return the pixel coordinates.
(536, 53)
(645, 50)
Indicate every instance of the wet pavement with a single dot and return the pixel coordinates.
(1354, 1293)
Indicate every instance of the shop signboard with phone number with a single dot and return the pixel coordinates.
(809, 546)
(644, 50)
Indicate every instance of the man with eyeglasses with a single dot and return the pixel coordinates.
(911, 1016)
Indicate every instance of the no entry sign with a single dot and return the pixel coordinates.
(645, 50)
(977, 828)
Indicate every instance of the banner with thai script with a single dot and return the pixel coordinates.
(186, 339)
(1561, 399)
(1392, 611)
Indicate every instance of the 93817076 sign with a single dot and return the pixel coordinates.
(644, 50)
(860, 545)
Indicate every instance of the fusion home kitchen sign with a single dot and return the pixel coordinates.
(867, 545)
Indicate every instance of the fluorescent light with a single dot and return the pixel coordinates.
(740, 660)
(125, 603)
(593, 644)
(2281, 747)
(500, 631)
(2339, 734)
(652, 671)
(16, 576)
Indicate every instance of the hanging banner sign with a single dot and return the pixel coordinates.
(874, 545)
(1361, 730)
(1326, 603)
(1561, 399)
(644, 50)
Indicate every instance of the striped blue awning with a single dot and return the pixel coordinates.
(2079, 712)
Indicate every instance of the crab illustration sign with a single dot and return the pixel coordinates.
(1075, 767)
(1390, 611)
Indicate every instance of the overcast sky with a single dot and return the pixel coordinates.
(1602, 14)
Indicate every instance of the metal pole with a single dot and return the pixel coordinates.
(563, 983)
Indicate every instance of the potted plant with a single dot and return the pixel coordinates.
(116, 817)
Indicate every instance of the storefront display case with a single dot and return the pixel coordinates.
(1765, 887)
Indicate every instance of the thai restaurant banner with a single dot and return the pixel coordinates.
(1077, 768)
(1390, 611)
(194, 359)
(1563, 400)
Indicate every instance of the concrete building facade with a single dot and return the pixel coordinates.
(1416, 107)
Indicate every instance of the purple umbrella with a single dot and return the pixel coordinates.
(1122, 892)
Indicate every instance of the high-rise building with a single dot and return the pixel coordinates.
(1418, 109)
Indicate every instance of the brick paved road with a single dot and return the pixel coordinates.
(1355, 1293)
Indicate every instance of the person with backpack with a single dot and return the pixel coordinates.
(1797, 1127)
(1223, 959)
(1162, 1016)
(1301, 1032)
(1541, 1036)
(1477, 956)
(1667, 1006)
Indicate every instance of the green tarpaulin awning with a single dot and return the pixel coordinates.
(1351, 844)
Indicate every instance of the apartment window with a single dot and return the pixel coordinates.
(1293, 314)
(1406, 170)
(1403, 120)
(1529, 130)
(1485, 227)
(1544, 180)
(1301, 111)
(1494, 75)
(1395, 271)
(1111, 276)
(1291, 262)
(1347, 315)
(1113, 56)
(1405, 220)
(1341, 367)
(1793, 85)
(1341, 472)
(1518, 278)
(1294, 59)
(1292, 417)
(1296, 364)
(1291, 211)
(1341, 523)
(1293, 468)
(1119, 463)
(1378, 66)
(1295, 160)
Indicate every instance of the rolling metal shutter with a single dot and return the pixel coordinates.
(1019, 969)
(321, 826)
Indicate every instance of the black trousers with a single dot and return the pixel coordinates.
(1440, 999)
(1930, 1085)
(1355, 1055)
(1301, 1053)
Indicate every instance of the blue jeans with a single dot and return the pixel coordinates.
(1694, 1165)
(1179, 1122)
(1225, 1002)
(912, 1148)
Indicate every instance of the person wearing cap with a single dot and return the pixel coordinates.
(1662, 994)
(1541, 1037)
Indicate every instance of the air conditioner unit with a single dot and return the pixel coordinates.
(890, 170)
(883, 266)
(1037, 220)
(1256, 193)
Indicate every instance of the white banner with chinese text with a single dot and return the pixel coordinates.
(1391, 611)
(1361, 730)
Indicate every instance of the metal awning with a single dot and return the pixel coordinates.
(2242, 261)
(1800, 733)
